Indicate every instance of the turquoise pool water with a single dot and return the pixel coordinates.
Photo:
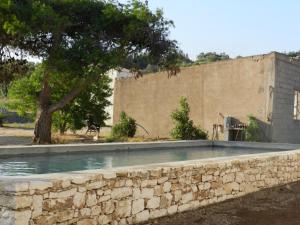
(41, 164)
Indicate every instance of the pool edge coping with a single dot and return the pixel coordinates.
(7, 183)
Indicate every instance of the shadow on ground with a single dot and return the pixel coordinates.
(276, 206)
(13, 140)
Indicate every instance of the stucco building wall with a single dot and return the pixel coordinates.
(234, 88)
(287, 80)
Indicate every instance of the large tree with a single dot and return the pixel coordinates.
(82, 39)
(90, 104)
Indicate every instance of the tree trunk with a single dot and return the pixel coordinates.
(62, 128)
(42, 131)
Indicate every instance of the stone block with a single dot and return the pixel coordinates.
(95, 185)
(187, 197)
(167, 187)
(123, 209)
(119, 193)
(147, 193)
(108, 207)
(166, 200)
(172, 209)
(91, 199)
(153, 203)
(85, 222)
(158, 213)
(96, 210)
(37, 205)
(142, 216)
(79, 200)
(138, 206)
(40, 185)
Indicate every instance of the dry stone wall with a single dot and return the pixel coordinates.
(136, 194)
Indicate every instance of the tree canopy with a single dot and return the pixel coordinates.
(82, 39)
(294, 55)
(89, 104)
(211, 57)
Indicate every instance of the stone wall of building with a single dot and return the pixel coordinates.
(136, 194)
(287, 80)
(236, 88)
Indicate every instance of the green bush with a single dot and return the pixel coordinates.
(253, 132)
(126, 127)
(184, 127)
(2, 117)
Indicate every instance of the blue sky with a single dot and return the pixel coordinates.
(237, 27)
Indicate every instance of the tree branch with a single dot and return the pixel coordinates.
(68, 97)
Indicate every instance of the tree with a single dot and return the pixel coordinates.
(91, 103)
(145, 64)
(83, 40)
(11, 69)
(294, 55)
(184, 127)
(211, 57)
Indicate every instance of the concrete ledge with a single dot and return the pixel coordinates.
(261, 145)
(42, 149)
(67, 148)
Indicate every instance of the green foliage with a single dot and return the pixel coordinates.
(85, 37)
(90, 105)
(79, 41)
(184, 127)
(2, 117)
(210, 57)
(145, 64)
(253, 131)
(126, 127)
(294, 55)
(11, 69)
(24, 92)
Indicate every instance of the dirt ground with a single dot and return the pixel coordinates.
(23, 136)
(276, 206)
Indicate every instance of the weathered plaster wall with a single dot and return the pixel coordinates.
(234, 88)
(132, 195)
(287, 80)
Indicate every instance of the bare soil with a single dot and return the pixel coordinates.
(23, 136)
(275, 206)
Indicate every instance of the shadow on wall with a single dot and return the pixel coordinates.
(254, 130)
(265, 131)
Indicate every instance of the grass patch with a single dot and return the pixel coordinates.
(19, 125)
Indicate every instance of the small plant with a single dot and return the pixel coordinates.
(184, 127)
(126, 127)
(253, 132)
(2, 117)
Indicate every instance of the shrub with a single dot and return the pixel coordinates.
(253, 132)
(184, 127)
(126, 127)
(2, 117)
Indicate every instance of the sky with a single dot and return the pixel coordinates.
(236, 27)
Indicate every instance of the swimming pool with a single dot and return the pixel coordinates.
(76, 161)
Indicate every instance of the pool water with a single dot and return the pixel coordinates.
(42, 164)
